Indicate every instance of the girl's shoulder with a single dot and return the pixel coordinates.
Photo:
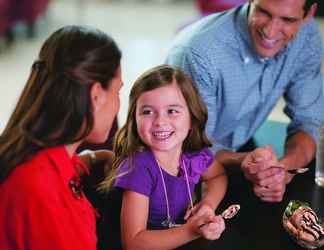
(137, 173)
(204, 156)
(139, 162)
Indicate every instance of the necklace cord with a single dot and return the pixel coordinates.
(165, 190)
(165, 193)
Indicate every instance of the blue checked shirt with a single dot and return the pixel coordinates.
(239, 88)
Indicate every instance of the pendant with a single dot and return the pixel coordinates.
(76, 187)
(169, 224)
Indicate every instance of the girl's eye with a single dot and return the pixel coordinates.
(147, 112)
(173, 111)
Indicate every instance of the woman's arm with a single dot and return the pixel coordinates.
(134, 214)
(94, 157)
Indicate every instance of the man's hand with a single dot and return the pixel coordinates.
(263, 169)
(273, 192)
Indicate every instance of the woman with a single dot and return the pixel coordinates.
(72, 96)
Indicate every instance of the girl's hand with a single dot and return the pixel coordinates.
(199, 209)
(214, 229)
(208, 226)
(204, 222)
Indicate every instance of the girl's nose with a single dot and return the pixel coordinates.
(160, 119)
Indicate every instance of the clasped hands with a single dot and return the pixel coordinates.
(268, 176)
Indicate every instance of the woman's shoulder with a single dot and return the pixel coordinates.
(36, 176)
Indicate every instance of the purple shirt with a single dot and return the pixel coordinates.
(144, 177)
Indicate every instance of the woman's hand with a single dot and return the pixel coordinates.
(94, 157)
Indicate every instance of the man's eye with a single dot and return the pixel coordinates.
(289, 20)
(263, 12)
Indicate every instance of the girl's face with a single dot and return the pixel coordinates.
(163, 119)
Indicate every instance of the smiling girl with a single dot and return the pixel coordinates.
(161, 153)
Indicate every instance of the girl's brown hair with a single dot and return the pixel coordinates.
(127, 141)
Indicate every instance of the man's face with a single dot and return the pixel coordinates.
(274, 23)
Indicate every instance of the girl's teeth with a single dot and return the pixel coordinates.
(161, 135)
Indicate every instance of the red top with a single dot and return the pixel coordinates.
(39, 209)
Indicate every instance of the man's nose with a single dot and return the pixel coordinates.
(271, 29)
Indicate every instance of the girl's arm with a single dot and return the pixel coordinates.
(216, 184)
(215, 187)
(134, 214)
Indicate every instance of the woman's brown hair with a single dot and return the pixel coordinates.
(55, 106)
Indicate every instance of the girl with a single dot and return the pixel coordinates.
(161, 153)
(72, 96)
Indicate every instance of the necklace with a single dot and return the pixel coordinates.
(168, 222)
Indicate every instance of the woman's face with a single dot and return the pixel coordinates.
(106, 109)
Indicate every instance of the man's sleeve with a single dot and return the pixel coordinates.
(304, 97)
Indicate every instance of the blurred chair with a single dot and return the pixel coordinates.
(7, 20)
(207, 7)
(29, 11)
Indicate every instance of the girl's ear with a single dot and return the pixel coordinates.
(98, 96)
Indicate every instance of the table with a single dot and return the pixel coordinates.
(258, 225)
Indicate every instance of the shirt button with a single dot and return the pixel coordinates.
(246, 60)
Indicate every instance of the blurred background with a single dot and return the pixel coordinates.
(142, 28)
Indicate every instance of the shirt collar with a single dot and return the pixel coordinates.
(66, 166)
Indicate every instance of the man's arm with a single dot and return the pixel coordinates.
(300, 149)
(230, 159)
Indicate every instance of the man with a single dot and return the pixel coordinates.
(243, 60)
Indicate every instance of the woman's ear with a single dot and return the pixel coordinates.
(98, 96)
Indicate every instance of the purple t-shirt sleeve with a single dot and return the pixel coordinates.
(136, 178)
(199, 163)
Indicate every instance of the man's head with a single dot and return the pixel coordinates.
(274, 23)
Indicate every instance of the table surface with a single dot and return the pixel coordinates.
(258, 225)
